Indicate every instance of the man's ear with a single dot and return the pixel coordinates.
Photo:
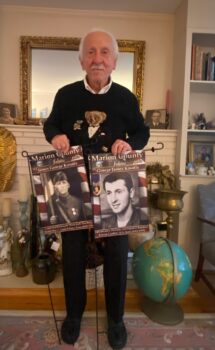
(115, 62)
(82, 63)
(132, 193)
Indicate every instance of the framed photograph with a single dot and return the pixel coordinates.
(62, 191)
(157, 119)
(8, 113)
(119, 188)
(201, 153)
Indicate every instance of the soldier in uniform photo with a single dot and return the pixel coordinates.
(155, 121)
(62, 206)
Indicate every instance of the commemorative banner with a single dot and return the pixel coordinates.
(62, 190)
(119, 193)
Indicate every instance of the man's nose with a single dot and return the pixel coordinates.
(114, 198)
(97, 57)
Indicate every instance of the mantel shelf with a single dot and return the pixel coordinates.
(202, 82)
(205, 131)
(211, 177)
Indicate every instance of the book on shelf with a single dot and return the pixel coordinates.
(202, 63)
(193, 62)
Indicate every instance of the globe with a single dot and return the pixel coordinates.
(161, 270)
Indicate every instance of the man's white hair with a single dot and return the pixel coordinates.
(98, 30)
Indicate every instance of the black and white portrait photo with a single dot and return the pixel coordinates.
(8, 113)
(156, 119)
(120, 206)
(64, 200)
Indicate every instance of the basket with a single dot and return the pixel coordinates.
(91, 279)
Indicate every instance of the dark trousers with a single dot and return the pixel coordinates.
(115, 273)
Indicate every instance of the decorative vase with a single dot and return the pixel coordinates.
(43, 268)
(19, 252)
(170, 201)
(5, 251)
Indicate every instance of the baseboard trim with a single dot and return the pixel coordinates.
(38, 299)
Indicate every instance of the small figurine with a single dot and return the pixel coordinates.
(200, 121)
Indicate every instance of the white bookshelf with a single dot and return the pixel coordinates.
(194, 24)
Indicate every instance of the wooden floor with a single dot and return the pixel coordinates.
(199, 299)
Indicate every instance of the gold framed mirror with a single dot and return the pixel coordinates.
(47, 63)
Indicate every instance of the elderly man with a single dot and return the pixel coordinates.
(119, 128)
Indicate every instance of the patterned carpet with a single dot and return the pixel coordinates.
(196, 332)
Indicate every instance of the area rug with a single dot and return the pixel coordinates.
(39, 333)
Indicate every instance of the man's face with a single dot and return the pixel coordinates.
(6, 112)
(156, 117)
(118, 195)
(62, 187)
(98, 59)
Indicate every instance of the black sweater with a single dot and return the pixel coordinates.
(124, 120)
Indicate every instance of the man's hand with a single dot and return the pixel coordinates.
(120, 146)
(61, 143)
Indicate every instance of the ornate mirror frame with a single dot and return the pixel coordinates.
(27, 43)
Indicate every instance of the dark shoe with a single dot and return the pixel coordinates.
(117, 335)
(70, 330)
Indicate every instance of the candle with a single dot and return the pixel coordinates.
(6, 207)
(23, 188)
(168, 102)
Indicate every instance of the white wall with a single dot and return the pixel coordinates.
(155, 29)
(201, 14)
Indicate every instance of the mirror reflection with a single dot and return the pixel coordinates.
(46, 80)
(50, 63)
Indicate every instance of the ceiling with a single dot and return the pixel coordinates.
(156, 6)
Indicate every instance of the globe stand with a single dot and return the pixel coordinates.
(167, 313)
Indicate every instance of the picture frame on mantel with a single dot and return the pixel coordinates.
(201, 153)
(8, 113)
(157, 119)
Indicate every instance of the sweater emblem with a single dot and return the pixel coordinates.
(94, 120)
(77, 125)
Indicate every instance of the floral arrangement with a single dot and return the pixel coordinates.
(162, 175)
